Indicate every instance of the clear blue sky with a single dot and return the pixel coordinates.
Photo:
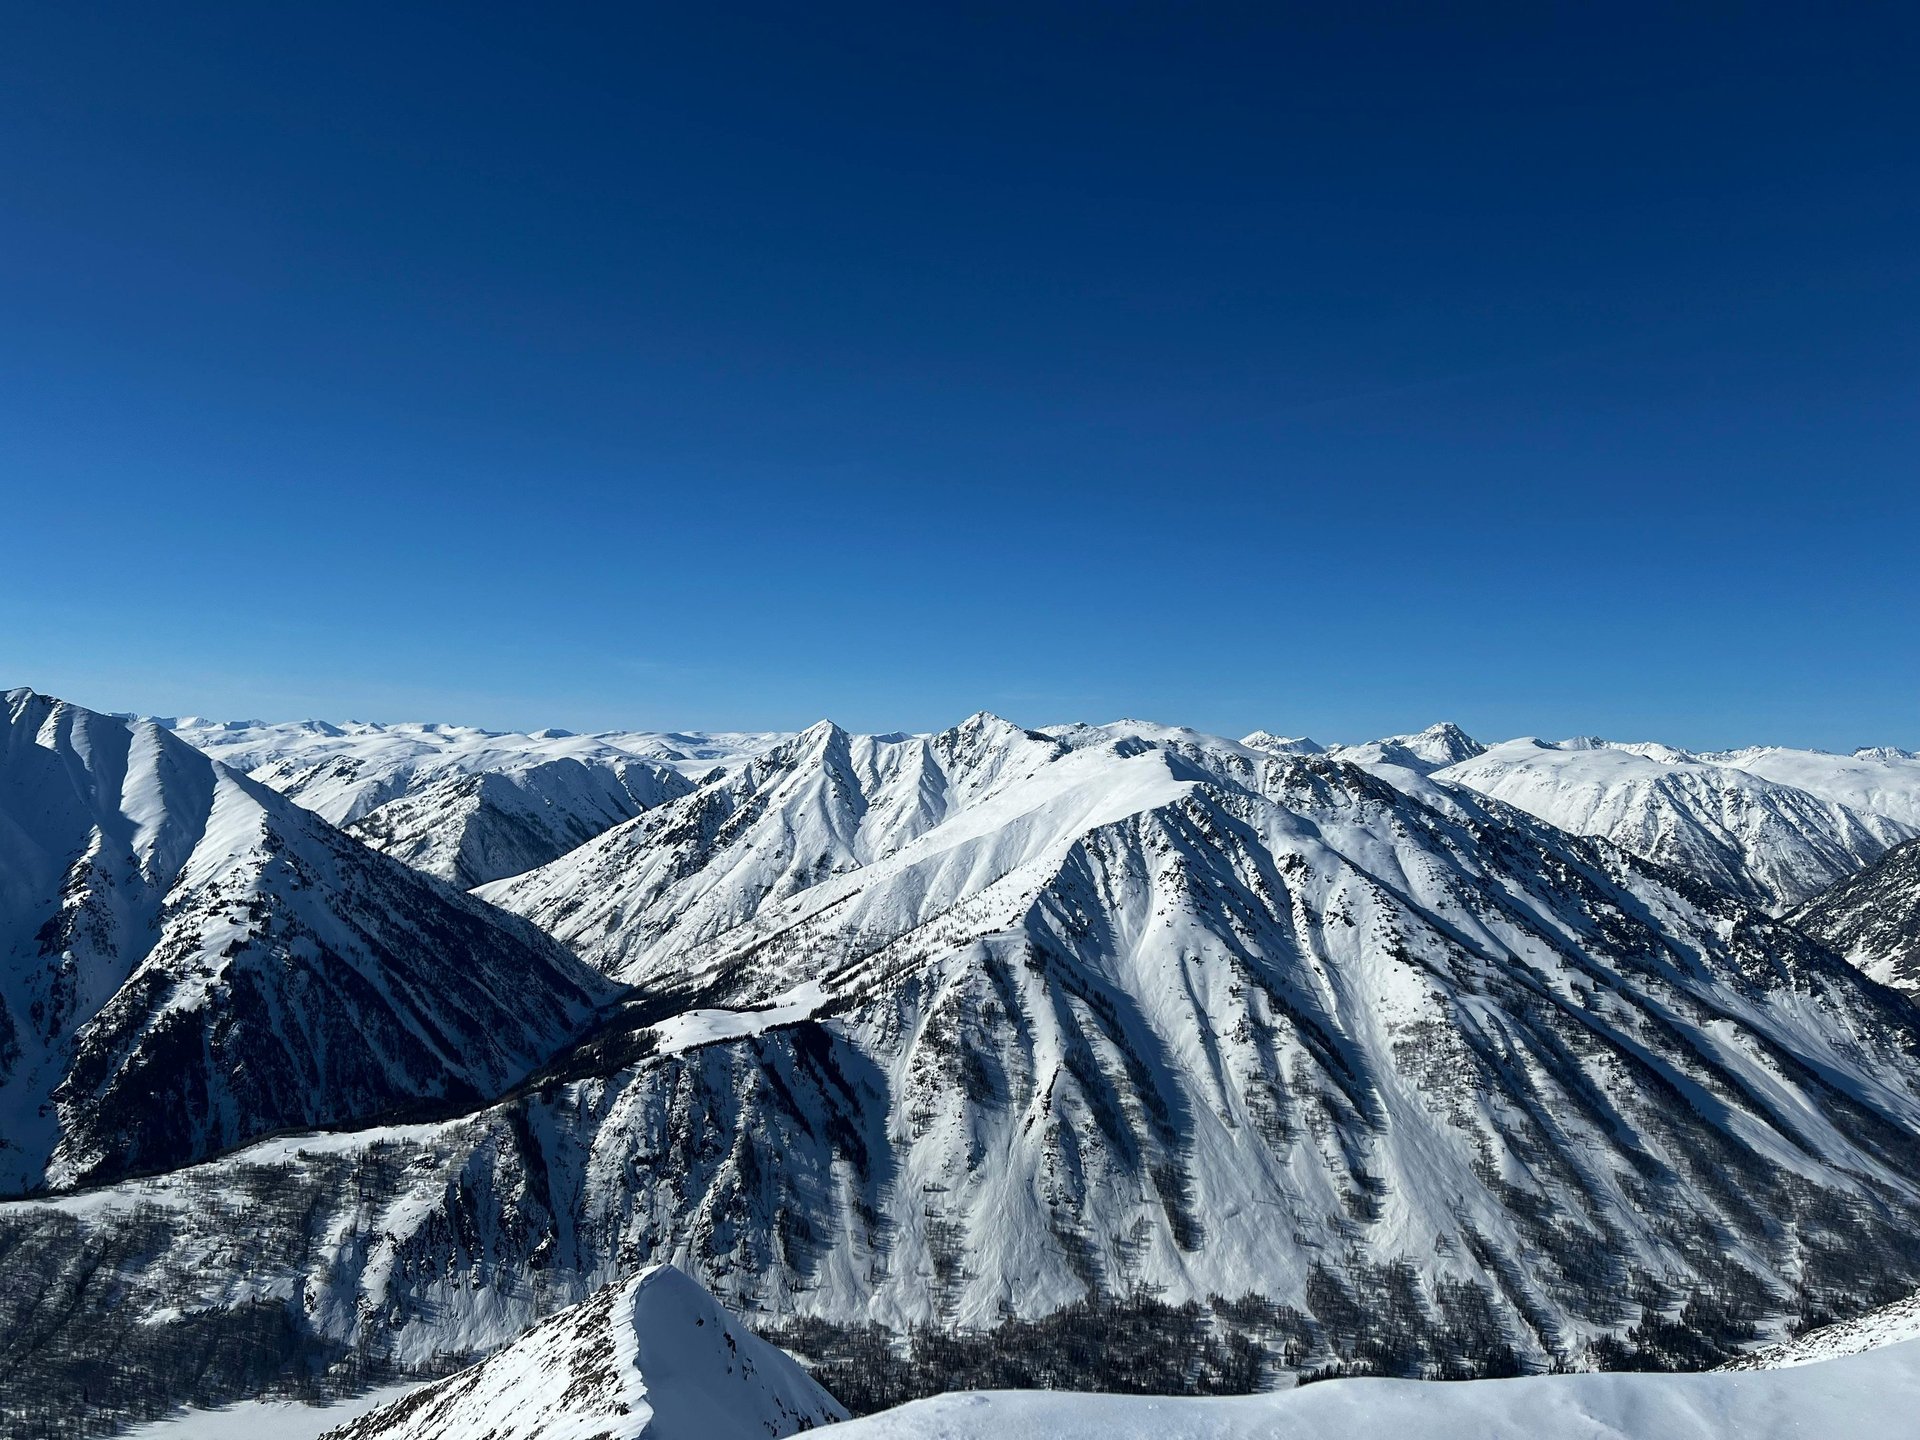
(1328, 368)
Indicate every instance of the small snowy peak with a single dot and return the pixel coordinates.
(651, 1358)
(1282, 744)
(1894, 1324)
(471, 829)
(1431, 749)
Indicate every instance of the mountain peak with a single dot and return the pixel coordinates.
(655, 1357)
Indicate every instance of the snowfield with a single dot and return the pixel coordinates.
(1874, 1396)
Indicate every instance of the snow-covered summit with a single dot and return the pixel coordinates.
(651, 1358)
(1429, 750)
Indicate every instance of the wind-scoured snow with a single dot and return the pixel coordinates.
(651, 1358)
(1765, 841)
(1873, 1396)
(187, 961)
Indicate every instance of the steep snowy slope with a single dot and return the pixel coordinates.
(473, 828)
(188, 960)
(1880, 780)
(1433, 748)
(341, 772)
(1873, 918)
(1869, 1397)
(1769, 843)
(650, 1357)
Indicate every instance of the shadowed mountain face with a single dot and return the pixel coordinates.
(1873, 918)
(998, 1023)
(188, 961)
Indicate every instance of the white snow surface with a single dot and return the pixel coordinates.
(653, 1357)
(1873, 1396)
(266, 1419)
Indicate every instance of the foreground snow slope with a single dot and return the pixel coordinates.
(1767, 842)
(187, 961)
(650, 1357)
(1873, 1396)
(1873, 918)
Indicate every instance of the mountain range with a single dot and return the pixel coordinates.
(1312, 1055)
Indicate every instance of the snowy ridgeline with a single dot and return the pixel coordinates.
(1772, 824)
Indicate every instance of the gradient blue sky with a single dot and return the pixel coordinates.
(1323, 368)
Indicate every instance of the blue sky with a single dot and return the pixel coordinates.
(1327, 369)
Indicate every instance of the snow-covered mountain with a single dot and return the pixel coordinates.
(651, 1358)
(1873, 918)
(188, 961)
(476, 827)
(1768, 842)
(1876, 780)
(1001, 1025)
(342, 772)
